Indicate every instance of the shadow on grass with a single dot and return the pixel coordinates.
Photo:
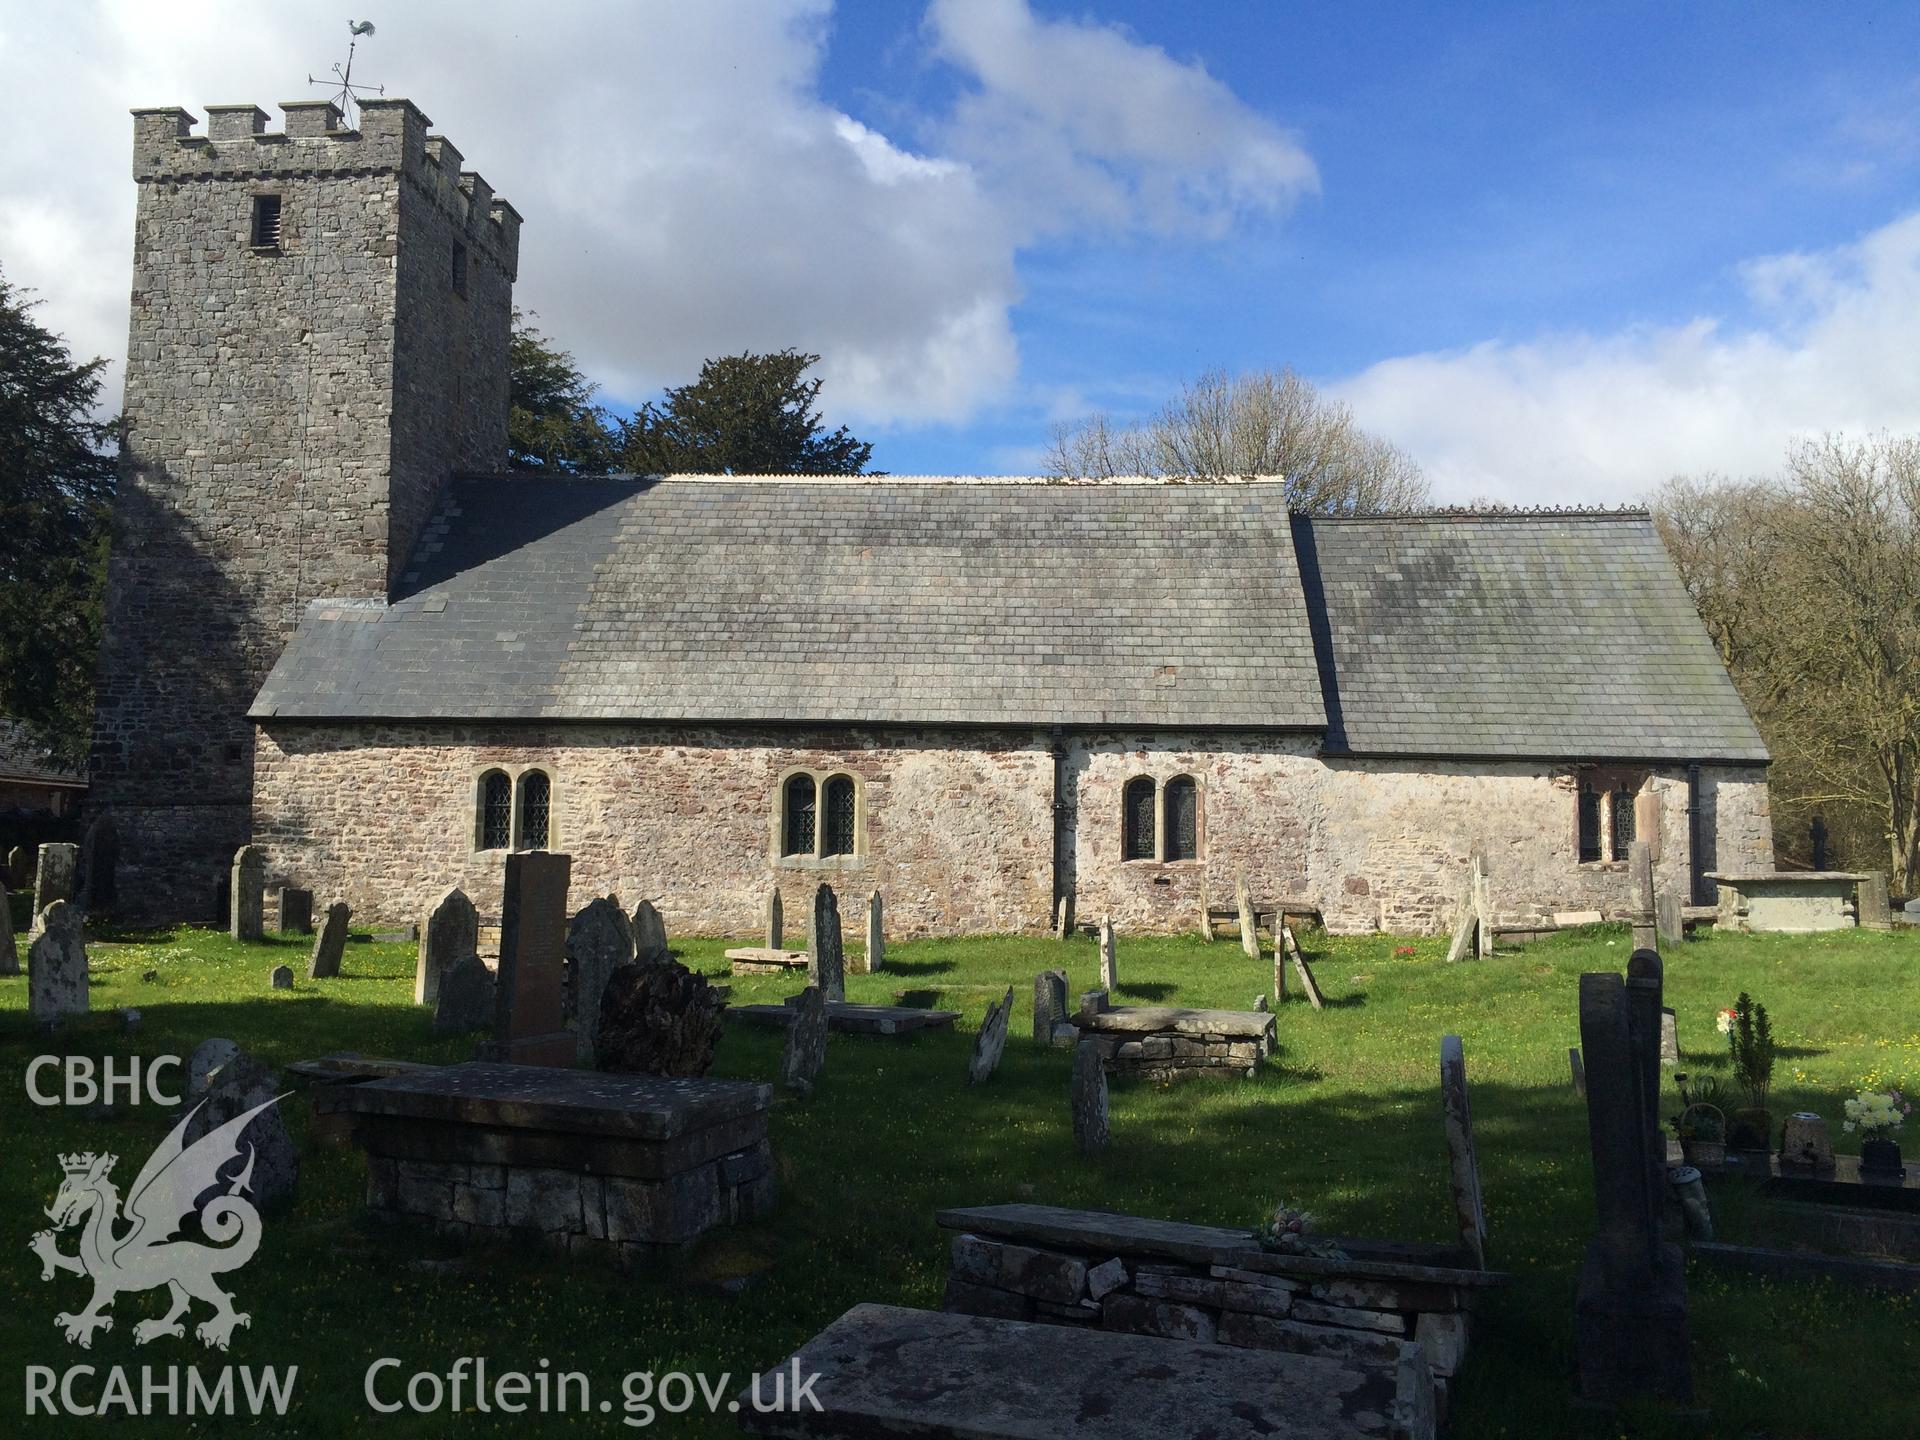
(1152, 991)
(918, 967)
(918, 999)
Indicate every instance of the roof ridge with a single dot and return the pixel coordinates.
(1496, 512)
(1037, 481)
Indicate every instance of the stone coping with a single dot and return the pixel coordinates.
(539, 1097)
(1158, 1019)
(850, 1018)
(1098, 1233)
(349, 1068)
(890, 1371)
(1763, 877)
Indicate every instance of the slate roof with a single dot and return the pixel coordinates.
(24, 759)
(1535, 635)
(776, 599)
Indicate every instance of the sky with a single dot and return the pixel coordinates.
(1557, 253)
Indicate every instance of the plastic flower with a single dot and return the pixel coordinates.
(1725, 1020)
(1876, 1112)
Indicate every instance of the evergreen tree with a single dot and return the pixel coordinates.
(746, 415)
(552, 422)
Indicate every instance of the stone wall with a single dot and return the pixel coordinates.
(958, 826)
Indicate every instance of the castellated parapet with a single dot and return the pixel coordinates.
(320, 334)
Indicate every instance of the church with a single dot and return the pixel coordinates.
(337, 629)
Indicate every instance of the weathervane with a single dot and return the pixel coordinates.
(347, 94)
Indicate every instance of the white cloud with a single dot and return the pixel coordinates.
(1605, 418)
(687, 190)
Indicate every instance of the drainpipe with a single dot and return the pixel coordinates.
(1059, 751)
(1696, 844)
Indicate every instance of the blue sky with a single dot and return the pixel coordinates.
(1557, 253)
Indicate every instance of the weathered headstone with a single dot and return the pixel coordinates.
(991, 1042)
(1109, 957)
(450, 933)
(296, 910)
(248, 897)
(826, 962)
(806, 1051)
(282, 977)
(658, 1019)
(1472, 925)
(57, 964)
(99, 864)
(1249, 929)
(1049, 1004)
(529, 1024)
(1279, 964)
(1875, 910)
(1301, 969)
(464, 1000)
(776, 920)
(1668, 922)
(238, 1084)
(19, 868)
(1063, 918)
(1640, 867)
(53, 875)
(649, 935)
(1262, 1004)
(9, 948)
(1463, 1162)
(208, 1056)
(330, 945)
(600, 939)
(1482, 907)
(876, 933)
(1088, 1096)
(1669, 1037)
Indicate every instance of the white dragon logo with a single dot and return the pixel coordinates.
(145, 1256)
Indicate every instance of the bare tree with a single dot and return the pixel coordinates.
(1265, 423)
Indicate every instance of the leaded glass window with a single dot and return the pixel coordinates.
(1622, 821)
(496, 811)
(797, 829)
(1589, 823)
(1183, 819)
(1137, 820)
(536, 806)
(838, 839)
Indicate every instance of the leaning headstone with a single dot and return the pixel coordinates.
(53, 875)
(1668, 923)
(658, 1019)
(529, 1019)
(239, 1084)
(1302, 971)
(57, 964)
(806, 1052)
(600, 939)
(1463, 1162)
(1049, 1004)
(9, 948)
(1472, 923)
(649, 935)
(451, 933)
(1249, 929)
(208, 1056)
(296, 910)
(464, 1000)
(1063, 918)
(330, 945)
(282, 977)
(1088, 1094)
(99, 864)
(991, 1042)
(776, 920)
(1109, 958)
(248, 897)
(1669, 1037)
(1279, 963)
(826, 962)
(876, 934)
(1875, 911)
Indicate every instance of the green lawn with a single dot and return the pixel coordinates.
(1346, 1122)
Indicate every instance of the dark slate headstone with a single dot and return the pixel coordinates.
(826, 957)
(649, 935)
(208, 1056)
(282, 977)
(238, 1084)
(1669, 1037)
(1463, 1161)
(600, 939)
(991, 1042)
(296, 910)
(1049, 1004)
(9, 948)
(806, 1051)
(57, 964)
(1088, 1096)
(330, 945)
(53, 875)
(248, 896)
(776, 920)
(1817, 836)
(451, 933)
(529, 1024)
(464, 1000)
(99, 864)
(658, 1019)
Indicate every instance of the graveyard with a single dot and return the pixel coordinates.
(1341, 1117)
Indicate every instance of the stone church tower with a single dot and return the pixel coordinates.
(320, 335)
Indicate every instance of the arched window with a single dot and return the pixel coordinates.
(1622, 835)
(496, 811)
(1589, 823)
(797, 826)
(1136, 841)
(536, 809)
(838, 837)
(1183, 818)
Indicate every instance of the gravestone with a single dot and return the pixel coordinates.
(330, 945)
(876, 933)
(450, 933)
(600, 939)
(826, 962)
(9, 948)
(208, 1056)
(1630, 1308)
(1463, 1162)
(776, 920)
(1668, 923)
(1640, 867)
(1279, 964)
(19, 868)
(1579, 1072)
(463, 1001)
(296, 910)
(1109, 959)
(1088, 1095)
(1669, 1037)
(991, 1042)
(282, 977)
(240, 1083)
(53, 875)
(57, 964)
(1049, 1004)
(1817, 836)
(1263, 1005)
(1875, 911)
(1301, 969)
(529, 1022)
(1473, 924)
(1483, 907)
(1063, 918)
(658, 1019)
(1249, 929)
(246, 919)
(649, 935)
(806, 1052)
(99, 864)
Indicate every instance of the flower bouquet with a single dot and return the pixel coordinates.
(1876, 1114)
(1289, 1231)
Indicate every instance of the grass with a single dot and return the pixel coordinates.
(1346, 1122)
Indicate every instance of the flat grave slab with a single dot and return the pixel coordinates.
(852, 1019)
(1788, 901)
(349, 1068)
(889, 1371)
(1168, 1042)
(760, 960)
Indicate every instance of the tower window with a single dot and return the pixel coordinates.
(266, 222)
(459, 269)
